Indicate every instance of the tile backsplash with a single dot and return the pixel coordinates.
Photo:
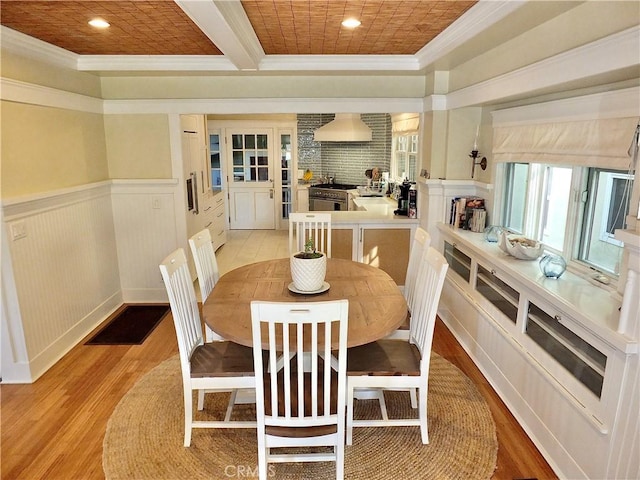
(345, 161)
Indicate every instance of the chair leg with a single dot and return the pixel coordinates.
(383, 404)
(232, 402)
(188, 414)
(201, 399)
(339, 448)
(414, 399)
(262, 456)
(349, 433)
(422, 414)
(339, 451)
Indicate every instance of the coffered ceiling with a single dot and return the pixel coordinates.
(254, 35)
(283, 27)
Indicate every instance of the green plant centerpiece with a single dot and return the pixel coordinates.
(308, 268)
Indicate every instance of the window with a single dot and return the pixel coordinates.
(405, 156)
(608, 200)
(571, 210)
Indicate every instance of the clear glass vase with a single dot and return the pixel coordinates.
(552, 266)
(492, 233)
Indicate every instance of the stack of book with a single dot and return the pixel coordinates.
(468, 213)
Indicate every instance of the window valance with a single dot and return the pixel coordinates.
(592, 143)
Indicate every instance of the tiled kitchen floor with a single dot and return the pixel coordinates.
(249, 246)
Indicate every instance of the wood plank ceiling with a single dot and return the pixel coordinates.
(283, 27)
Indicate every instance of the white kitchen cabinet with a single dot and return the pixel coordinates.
(218, 225)
(302, 198)
(381, 245)
(201, 152)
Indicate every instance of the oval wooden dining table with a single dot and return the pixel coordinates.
(376, 305)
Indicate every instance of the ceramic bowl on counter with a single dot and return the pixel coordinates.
(520, 247)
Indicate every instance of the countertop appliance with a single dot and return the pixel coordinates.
(403, 199)
(330, 197)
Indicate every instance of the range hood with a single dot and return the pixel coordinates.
(346, 127)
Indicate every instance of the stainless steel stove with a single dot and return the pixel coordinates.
(330, 197)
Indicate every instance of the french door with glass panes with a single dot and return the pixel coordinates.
(250, 159)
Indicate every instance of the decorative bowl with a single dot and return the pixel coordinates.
(520, 247)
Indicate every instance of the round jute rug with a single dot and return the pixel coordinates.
(145, 433)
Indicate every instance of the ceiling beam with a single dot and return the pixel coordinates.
(226, 24)
(481, 16)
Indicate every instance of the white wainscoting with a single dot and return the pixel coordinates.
(71, 257)
(62, 274)
(145, 220)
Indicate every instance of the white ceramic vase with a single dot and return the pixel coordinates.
(308, 273)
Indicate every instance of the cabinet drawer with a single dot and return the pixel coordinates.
(218, 225)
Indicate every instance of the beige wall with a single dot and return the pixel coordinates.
(461, 132)
(571, 29)
(138, 146)
(45, 149)
(267, 86)
(40, 73)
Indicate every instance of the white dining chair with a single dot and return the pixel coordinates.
(305, 226)
(300, 405)
(419, 245)
(400, 364)
(216, 366)
(204, 258)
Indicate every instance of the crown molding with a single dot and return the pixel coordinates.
(434, 103)
(22, 92)
(340, 63)
(618, 51)
(30, 47)
(151, 63)
(481, 16)
(263, 105)
(615, 104)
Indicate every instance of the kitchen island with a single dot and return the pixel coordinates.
(374, 236)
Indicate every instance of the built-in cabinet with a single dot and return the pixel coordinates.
(203, 176)
(549, 346)
(302, 198)
(380, 245)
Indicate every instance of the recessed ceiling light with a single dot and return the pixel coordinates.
(351, 23)
(99, 23)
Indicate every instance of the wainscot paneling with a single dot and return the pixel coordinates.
(145, 223)
(62, 275)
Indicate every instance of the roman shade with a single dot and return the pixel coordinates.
(402, 125)
(600, 142)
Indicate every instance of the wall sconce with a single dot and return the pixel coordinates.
(483, 162)
(475, 154)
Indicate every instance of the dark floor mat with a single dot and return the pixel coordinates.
(131, 326)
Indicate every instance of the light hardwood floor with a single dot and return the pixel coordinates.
(54, 428)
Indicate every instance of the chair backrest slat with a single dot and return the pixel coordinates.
(429, 282)
(420, 244)
(303, 226)
(314, 326)
(205, 261)
(184, 305)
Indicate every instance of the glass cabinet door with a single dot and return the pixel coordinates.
(286, 172)
(581, 359)
(501, 295)
(458, 261)
(214, 162)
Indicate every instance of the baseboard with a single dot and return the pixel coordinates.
(54, 352)
(145, 295)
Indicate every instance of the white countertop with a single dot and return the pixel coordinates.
(595, 307)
